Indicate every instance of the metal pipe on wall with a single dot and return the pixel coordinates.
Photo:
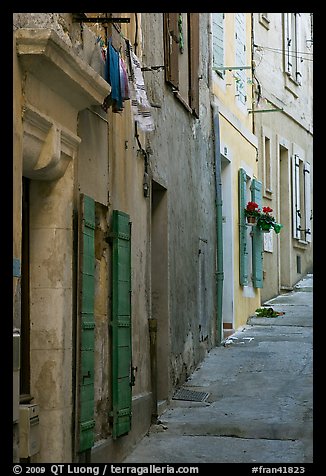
(219, 222)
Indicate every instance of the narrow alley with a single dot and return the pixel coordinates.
(162, 193)
(259, 402)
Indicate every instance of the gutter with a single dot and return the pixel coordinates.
(218, 194)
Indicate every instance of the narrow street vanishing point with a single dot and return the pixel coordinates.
(259, 403)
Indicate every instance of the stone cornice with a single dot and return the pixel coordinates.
(45, 55)
(48, 146)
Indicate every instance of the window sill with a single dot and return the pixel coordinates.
(300, 244)
(184, 103)
(268, 193)
(291, 85)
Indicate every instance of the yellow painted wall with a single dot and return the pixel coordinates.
(243, 155)
(236, 132)
(225, 89)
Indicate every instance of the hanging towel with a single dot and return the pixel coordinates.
(140, 105)
(124, 80)
(112, 76)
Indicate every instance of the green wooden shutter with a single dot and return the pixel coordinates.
(87, 324)
(257, 239)
(121, 324)
(243, 228)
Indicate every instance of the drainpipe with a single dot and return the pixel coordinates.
(153, 362)
(219, 222)
(218, 191)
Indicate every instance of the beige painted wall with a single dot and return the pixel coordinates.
(289, 131)
(51, 222)
(242, 153)
(239, 145)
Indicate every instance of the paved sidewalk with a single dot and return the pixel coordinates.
(259, 407)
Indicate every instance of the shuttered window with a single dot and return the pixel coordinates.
(301, 199)
(296, 214)
(218, 42)
(86, 323)
(181, 53)
(244, 236)
(307, 195)
(243, 228)
(121, 324)
(257, 239)
(293, 46)
(240, 57)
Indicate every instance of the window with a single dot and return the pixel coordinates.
(240, 57)
(301, 199)
(292, 46)
(218, 42)
(267, 166)
(250, 240)
(181, 52)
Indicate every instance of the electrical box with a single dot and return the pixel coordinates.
(16, 371)
(29, 432)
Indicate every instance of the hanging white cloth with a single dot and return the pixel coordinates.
(140, 105)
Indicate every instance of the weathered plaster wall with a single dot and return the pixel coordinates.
(181, 160)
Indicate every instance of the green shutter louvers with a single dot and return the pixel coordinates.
(257, 239)
(87, 323)
(243, 259)
(122, 378)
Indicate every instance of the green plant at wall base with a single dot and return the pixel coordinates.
(266, 221)
(267, 312)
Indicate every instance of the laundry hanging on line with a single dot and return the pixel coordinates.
(140, 105)
(112, 76)
(127, 82)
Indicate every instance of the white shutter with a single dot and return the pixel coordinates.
(298, 49)
(218, 40)
(307, 194)
(240, 56)
(288, 42)
(295, 196)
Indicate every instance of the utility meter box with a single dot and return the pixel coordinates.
(16, 370)
(29, 432)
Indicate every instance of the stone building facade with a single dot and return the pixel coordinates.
(283, 124)
(114, 230)
(132, 258)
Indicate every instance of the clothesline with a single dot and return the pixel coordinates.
(127, 82)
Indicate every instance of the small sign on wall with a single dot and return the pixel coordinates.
(268, 242)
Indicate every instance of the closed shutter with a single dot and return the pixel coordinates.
(87, 323)
(298, 48)
(288, 43)
(296, 196)
(218, 41)
(121, 324)
(240, 56)
(257, 239)
(171, 48)
(194, 63)
(243, 258)
(307, 194)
